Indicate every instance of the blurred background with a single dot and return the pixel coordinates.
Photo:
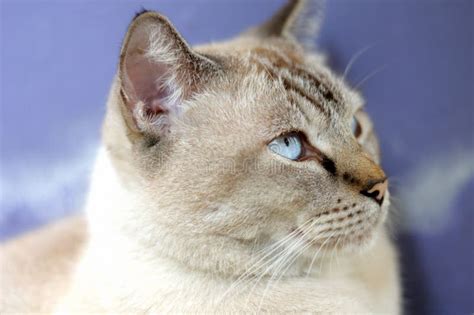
(415, 66)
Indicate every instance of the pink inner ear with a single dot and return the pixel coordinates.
(144, 81)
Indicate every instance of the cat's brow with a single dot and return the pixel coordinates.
(276, 66)
(292, 86)
(305, 75)
(296, 104)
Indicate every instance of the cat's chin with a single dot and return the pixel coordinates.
(357, 243)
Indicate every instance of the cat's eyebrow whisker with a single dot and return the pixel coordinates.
(370, 75)
(355, 57)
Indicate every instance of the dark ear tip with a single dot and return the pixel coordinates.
(149, 15)
(141, 12)
(144, 13)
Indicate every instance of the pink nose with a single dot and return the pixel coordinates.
(376, 190)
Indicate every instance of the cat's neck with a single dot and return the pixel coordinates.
(110, 209)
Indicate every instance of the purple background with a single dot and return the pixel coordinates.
(58, 59)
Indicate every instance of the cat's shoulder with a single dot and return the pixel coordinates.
(36, 268)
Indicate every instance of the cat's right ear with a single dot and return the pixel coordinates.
(298, 20)
(158, 72)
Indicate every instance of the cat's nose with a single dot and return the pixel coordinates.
(376, 189)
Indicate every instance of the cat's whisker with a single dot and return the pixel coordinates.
(333, 252)
(355, 57)
(308, 244)
(337, 249)
(308, 272)
(295, 248)
(267, 252)
(322, 259)
(282, 241)
(287, 251)
(280, 264)
(289, 263)
(370, 75)
(289, 259)
(323, 252)
(276, 246)
(276, 261)
(286, 264)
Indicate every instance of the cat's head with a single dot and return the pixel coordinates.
(232, 147)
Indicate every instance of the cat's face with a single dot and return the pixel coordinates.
(248, 143)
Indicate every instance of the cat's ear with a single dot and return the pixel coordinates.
(298, 20)
(158, 72)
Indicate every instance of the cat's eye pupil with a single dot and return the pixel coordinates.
(289, 146)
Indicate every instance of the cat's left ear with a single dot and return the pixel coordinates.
(298, 20)
(158, 72)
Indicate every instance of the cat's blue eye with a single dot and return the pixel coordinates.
(289, 146)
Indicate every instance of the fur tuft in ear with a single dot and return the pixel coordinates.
(158, 71)
(298, 20)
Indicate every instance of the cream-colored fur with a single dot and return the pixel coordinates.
(190, 212)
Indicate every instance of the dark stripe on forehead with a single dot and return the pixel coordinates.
(292, 87)
(289, 86)
(274, 64)
(325, 91)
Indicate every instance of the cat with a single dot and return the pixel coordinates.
(236, 177)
